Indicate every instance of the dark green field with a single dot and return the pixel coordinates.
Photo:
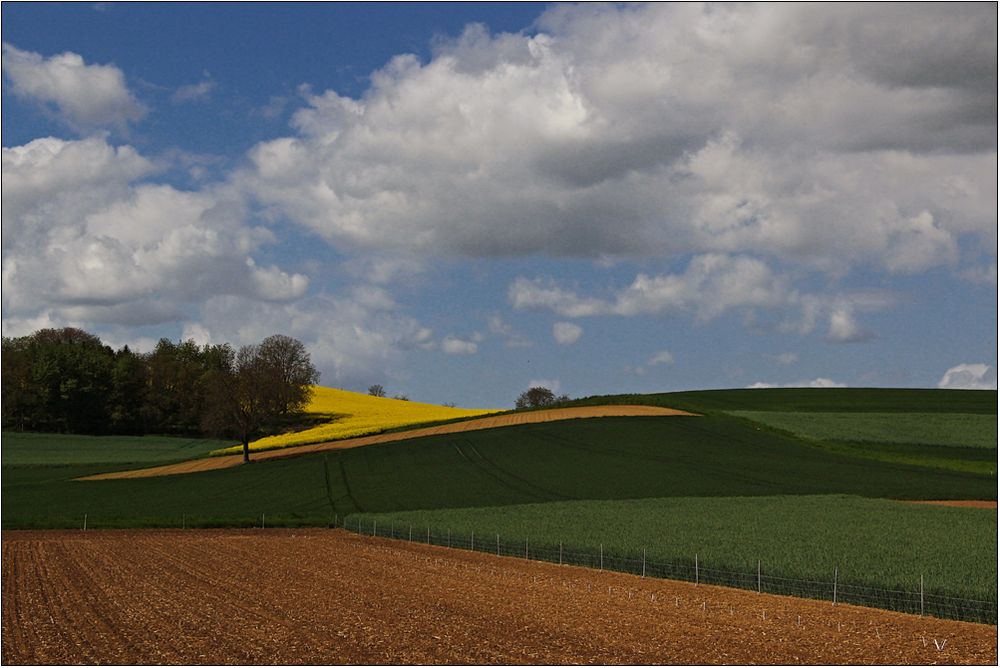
(668, 484)
(608, 458)
(57, 449)
(838, 400)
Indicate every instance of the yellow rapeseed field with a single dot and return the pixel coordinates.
(352, 414)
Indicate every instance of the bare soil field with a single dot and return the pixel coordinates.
(960, 503)
(331, 597)
(493, 421)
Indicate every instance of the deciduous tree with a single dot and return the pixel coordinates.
(259, 387)
(535, 397)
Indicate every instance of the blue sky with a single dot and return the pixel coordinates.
(460, 200)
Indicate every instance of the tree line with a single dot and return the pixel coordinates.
(67, 380)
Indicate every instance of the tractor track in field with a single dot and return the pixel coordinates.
(280, 596)
(489, 422)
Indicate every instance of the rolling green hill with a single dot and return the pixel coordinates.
(844, 400)
(608, 458)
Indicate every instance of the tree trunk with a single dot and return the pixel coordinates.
(246, 449)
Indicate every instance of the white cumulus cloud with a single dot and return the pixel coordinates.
(662, 357)
(969, 377)
(86, 239)
(453, 345)
(815, 382)
(566, 333)
(664, 129)
(86, 97)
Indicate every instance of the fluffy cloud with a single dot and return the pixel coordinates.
(662, 357)
(566, 333)
(86, 97)
(828, 136)
(194, 92)
(969, 377)
(452, 345)
(85, 238)
(710, 285)
(352, 337)
(504, 330)
(816, 382)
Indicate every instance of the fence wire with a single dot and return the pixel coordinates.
(916, 602)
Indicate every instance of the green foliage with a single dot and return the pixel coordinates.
(56, 379)
(535, 397)
(67, 381)
(877, 542)
(258, 389)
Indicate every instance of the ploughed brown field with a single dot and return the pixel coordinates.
(330, 597)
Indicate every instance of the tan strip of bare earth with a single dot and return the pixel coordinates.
(960, 503)
(491, 422)
(318, 597)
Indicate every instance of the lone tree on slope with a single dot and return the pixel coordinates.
(535, 398)
(259, 387)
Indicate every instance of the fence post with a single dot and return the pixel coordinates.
(449, 537)
(758, 576)
(602, 556)
(498, 545)
(184, 521)
(836, 570)
(411, 534)
(644, 562)
(428, 534)
(262, 520)
(921, 594)
(472, 542)
(560, 553)
(85, 521)
(696, 569)
(525, 549)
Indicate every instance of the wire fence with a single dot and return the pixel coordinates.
(917, 601)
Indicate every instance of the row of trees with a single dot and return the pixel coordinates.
(67, 380)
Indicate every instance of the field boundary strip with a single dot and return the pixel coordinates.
(475, 424)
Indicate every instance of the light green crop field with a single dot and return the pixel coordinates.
(950, 441)
(966, 430)
(882, 543)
